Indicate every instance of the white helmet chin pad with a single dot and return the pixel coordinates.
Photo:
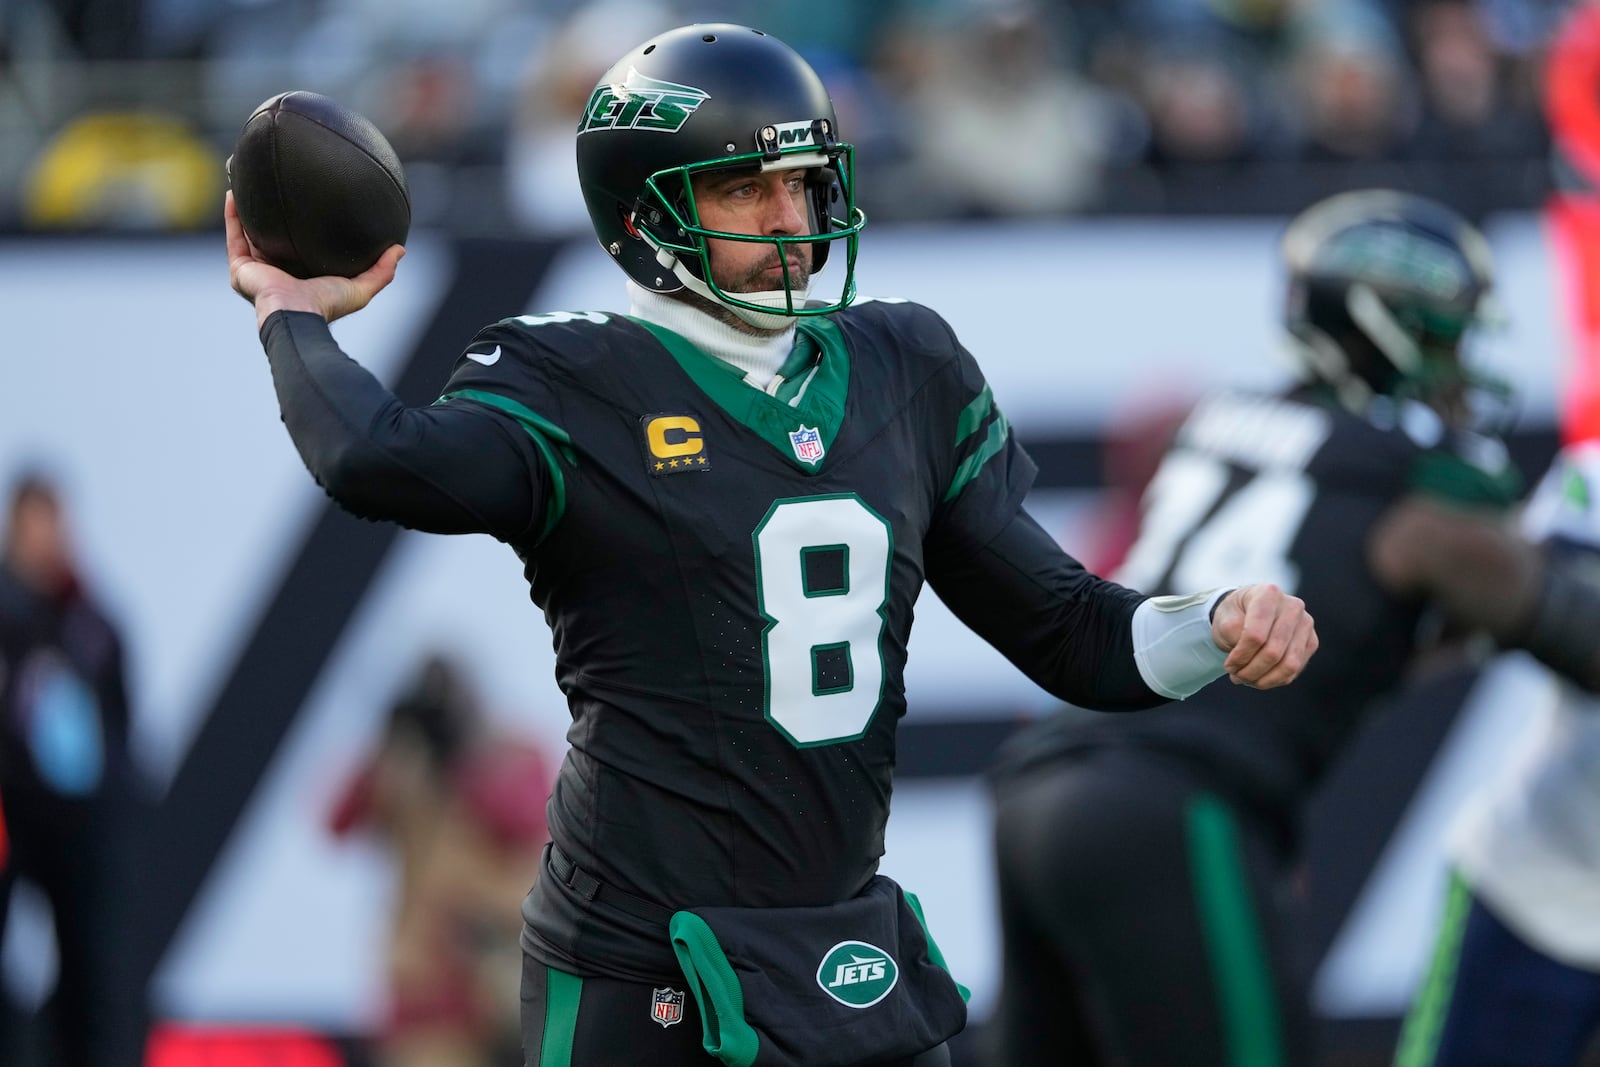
(778, 299)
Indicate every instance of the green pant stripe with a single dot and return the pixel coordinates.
(1419, 1037)
(562, 991)
(1252, 1029)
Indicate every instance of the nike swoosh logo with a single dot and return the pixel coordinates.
(488, 359)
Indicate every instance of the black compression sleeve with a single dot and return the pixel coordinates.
(1561, 630)
(1065, 628)
(454, 468)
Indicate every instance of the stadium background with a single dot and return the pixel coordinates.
(1115, 259)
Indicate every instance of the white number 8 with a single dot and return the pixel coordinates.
(822, 578)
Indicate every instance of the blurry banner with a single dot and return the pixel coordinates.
(1575, 231)
(1572, 102)
(221, 1046)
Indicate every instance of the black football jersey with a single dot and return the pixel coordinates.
(729, 576)
(1287, 489)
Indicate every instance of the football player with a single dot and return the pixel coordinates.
(1516, 970)
(1144, 861)
(727, 502)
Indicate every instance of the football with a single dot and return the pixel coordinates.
(318, 188)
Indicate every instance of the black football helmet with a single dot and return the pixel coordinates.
(707, 97)
(1383, 286)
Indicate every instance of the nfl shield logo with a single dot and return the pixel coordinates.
(807, 444)
(666, 1006)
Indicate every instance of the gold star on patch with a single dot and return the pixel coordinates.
(660, 466)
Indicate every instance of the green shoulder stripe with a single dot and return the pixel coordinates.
(993, 443)
(973, 414)
(550, 439)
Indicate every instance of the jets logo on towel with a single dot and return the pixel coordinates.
(857, 974)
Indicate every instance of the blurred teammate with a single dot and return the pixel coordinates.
(1516, 973)
(1144, 861)
(68, 783)
(727, 503)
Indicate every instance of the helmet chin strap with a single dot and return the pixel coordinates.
(775, 321)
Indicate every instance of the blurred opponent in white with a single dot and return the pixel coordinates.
(1516, 974)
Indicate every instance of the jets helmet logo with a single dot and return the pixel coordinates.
(857, 974)
(641, 103)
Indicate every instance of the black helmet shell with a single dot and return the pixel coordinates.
(1380, 283)
(694, 98)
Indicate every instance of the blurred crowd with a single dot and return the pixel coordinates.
(118, 112)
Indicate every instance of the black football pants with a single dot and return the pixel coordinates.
(1140, 922)
(608, 1022)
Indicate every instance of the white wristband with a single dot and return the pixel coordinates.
(1172, 643)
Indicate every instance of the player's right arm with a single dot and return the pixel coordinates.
(450, 468)
(447, 469)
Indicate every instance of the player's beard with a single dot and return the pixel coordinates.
(758, 280)
(755, 284)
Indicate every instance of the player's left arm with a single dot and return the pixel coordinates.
(1060, 625)
(1099, 645)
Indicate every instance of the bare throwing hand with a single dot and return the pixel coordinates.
(1268, 635)
(271, 289)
